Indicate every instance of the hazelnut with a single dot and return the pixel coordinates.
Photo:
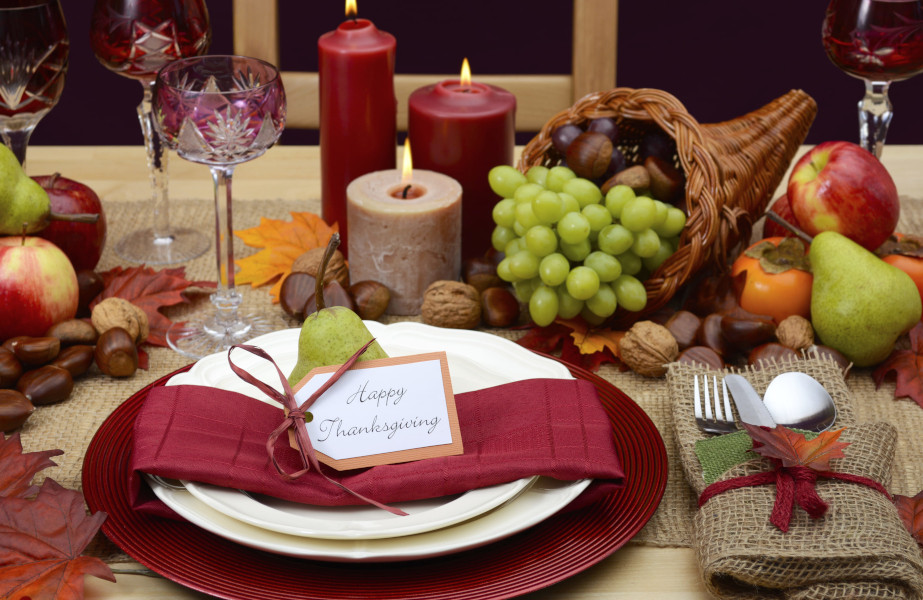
(451, 304)
(795, 332)
(73, 331)
(371, 299)
(499, 307)
(14, 410)
(589, 154)
(116, 354)
(647, 347)
(49, 384)
(636, 177)
(310, 261)
(118, 312)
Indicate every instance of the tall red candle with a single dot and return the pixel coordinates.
(358, 111)
(463, 129)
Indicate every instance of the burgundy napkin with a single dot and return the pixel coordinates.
(551, 427)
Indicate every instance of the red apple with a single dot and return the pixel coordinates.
(839, 186)
(81, 242)
(38, 286)
(782, 208)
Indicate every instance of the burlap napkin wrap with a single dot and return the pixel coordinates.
(859, 549)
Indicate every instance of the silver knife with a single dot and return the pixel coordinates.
(750, 406)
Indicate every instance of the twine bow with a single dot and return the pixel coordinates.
(295, 417)
(794, 485)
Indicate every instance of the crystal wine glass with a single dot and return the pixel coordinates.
(878, 41)
(33, 61)
(135, 38)
(219, 111)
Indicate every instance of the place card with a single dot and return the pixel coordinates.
(383, 411)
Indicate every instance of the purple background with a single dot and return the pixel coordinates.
(721, 58)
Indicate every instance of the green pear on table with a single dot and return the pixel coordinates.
(860, 304)
(330, 336)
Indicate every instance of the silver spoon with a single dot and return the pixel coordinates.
(799, 401)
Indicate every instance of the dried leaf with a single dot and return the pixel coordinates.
(910, 510)
(41, 542)
(150, 290)
(907, 366)
(18, 469)
(282, 243)
(596, 348)
(590, 340)
(794, 450)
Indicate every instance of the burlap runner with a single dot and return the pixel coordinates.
(70, 426)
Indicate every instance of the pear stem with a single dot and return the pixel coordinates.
(801, 234)
(74, 218)
(322, 270)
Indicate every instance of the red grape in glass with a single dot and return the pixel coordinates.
(219, 111)
(878, 41)
(33, 62)
(135, 38)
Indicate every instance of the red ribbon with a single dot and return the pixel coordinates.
(295, 417)
(794, 485)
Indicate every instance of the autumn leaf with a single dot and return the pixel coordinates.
(590, 340)
(907, 366)
(149, 290)
(793, 449)
(41, 542)
(281, 242)
(578, 344)
(910, 510)
(18, 469)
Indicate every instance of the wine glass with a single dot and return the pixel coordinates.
(219, 111)
(33, 61)
(878, 41)
(135, 38)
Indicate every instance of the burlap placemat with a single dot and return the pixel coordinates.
(70, 425)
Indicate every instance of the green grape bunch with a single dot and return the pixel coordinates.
(571, 250)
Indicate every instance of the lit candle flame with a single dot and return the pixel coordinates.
(465, 73)
(351, 9)
(407, 168)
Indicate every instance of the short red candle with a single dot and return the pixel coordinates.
(358, 111)
(464, 130)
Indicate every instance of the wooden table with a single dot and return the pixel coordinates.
(292, 173)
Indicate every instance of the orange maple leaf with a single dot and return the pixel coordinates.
(910, 510)
(590, 340)
(907, 366)
(793, 449)
(281, 242)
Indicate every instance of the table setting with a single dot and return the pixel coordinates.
(263, 429)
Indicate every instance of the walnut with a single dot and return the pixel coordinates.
(118, 312)
(310, 261)
(795, 332)
(647, 347)
(451, 304)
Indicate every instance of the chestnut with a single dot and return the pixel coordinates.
(770, 352)
(499, 307)
(589, 154)
(702, 356)
(15, 409)
(76, 359)
(683, 325)
(294, 294)
(481, 272)
(371, 298)
(10, 369)
(33, 351)
(116, 354)
(49, 384)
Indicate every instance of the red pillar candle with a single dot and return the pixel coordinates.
(463, 129)
(358, 110)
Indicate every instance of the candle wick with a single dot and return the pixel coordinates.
(406, 189)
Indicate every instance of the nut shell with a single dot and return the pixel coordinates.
(371, 298)
(499, 307)
(310, 261)
(76, 359)
(116, 354)
(34, 351)
(647, 348)
(589, 154)
(795, 332)
(48, 384)
(451, 304)
(74, 331)
(10, 369)
(118, 312)
(15, 409)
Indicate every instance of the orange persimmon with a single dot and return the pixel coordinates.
(777, 282)
(906, 253)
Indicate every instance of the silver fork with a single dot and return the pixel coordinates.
(716, 416)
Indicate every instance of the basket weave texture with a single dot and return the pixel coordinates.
(731, 170)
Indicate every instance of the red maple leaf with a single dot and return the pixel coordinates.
(794, 450)
(907, 366)
(578, 344)
(149, 290)
(910, 510)
(41, 542)
(19, 469)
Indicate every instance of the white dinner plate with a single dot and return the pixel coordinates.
(476, 360)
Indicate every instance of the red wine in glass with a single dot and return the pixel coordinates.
(34, 50)
(878, 41)
(135, 38)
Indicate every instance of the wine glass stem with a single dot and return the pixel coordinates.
(157, 164)
(226, 298)
(17, 139)
(874, 116)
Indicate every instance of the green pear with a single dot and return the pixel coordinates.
(860, 304)
(24, 204)
(330, 336)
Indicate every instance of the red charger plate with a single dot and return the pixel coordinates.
(547, 553)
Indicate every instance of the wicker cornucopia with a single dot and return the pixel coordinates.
(731, 170)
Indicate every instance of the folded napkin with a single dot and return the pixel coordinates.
(552, 427)
(859, 549)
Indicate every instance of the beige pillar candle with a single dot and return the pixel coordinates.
(404, 243)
